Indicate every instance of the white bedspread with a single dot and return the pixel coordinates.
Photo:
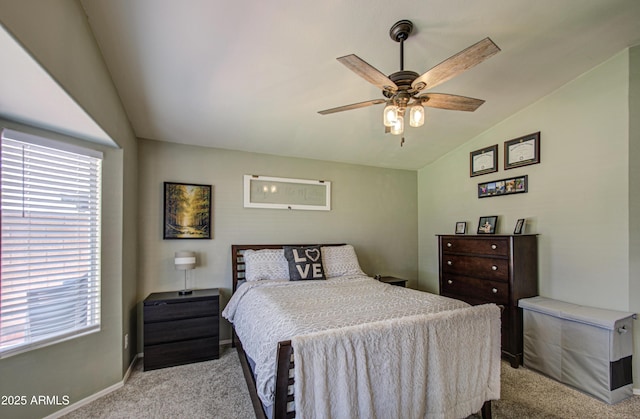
(445, 364)
(266, 312)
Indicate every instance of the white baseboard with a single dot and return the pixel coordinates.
(636, 391)
(95, 396)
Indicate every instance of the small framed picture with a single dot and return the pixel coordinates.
(461, 227)
(519, 226)
(483, 161)
(487, 224)
(522, 151)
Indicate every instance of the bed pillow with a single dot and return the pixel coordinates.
(340, 261)
(265, 264)
(304, 262)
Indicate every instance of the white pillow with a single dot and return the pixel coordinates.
(340, 261)
(265, 264)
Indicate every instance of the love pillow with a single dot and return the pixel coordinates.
(304, 262)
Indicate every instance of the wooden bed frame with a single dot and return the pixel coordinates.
(284, 364)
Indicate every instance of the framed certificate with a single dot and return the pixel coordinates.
(522, 151)
(483, 161)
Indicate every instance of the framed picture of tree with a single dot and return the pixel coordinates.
(187, 211)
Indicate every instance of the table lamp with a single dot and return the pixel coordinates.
(185, 261)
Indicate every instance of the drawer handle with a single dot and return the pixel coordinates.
(449, 282)
(622, 330)
(494, 268)
(494, 290)
(494, 246)
(449, 263)
(449, 245)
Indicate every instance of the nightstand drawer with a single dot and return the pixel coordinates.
(163, 311)
(171, 331)
(476, 290)
(178, 353)
(481, 267)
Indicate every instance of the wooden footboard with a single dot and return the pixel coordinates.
(284, 396)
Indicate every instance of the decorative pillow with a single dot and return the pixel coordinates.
(304, 262)
(265, 264)
(340, 261)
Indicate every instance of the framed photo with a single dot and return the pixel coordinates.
(508, 186)
(284, 193)
(187, 211)
(483, 161)
(487, 224)
(519, 226)
(522, 151)
(461, 227)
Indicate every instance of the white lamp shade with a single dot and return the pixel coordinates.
(185, 260)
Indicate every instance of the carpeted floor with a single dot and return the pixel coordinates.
(217, 389)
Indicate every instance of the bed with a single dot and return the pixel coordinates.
(362, 348)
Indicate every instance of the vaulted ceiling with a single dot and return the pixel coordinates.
(252, 75)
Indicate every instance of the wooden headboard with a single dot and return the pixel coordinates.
(237, 259)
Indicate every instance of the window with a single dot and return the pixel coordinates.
(50, 219)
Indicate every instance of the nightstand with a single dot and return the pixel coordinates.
(181, 329)
(392, 280)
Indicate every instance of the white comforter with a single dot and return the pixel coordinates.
(266, 312)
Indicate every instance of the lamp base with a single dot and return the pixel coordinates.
(185, 292)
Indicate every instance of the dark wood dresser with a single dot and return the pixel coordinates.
(181, 329)
(492, 269)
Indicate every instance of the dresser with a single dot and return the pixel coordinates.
(498, 269)
(180, 329)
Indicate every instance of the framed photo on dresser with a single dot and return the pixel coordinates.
(487, 224)
(461, 227)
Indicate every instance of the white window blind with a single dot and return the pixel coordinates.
(50, 283)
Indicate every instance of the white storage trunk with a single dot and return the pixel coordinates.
(585, 347)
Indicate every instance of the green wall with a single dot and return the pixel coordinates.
(57, 35)
(373, 209)
(580, 195)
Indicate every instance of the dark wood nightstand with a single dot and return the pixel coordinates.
(392, 280)
(181, 329)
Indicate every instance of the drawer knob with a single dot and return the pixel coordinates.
(449, 263)
(494, 246)
(449, 245)
(494, 268)
(449, 282)
(494, 290)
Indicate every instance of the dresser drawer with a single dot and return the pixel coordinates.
(481, 267)
(494, 246)
(162, 311)
(477, 290)
(171, 331)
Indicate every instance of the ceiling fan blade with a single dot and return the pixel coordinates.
(456, 64)
(368, 72)
(450, 102)
(352, 106)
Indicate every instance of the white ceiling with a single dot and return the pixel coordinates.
(251, 75)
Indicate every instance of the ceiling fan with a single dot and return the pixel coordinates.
(402, 88)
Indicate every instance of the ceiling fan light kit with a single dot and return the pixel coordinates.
(402, 88)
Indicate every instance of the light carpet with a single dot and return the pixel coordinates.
(217, 389)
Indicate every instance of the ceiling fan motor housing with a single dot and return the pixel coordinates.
(403, 80)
